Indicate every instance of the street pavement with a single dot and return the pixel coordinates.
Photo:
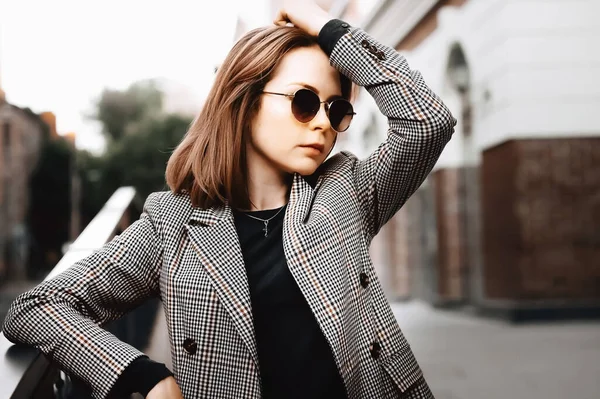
(468, 357)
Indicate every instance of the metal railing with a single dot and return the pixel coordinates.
(24, 371)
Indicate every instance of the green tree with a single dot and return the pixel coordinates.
(49, 212)
(139, 159)
(116, 110)
(93, 190)
(140, 139)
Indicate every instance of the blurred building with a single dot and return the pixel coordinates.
(21, 139)
(510, 217)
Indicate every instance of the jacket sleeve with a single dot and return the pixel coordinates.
(420, 125)
(62, 316)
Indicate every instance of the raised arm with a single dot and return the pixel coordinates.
(61, 316)
(420, 125)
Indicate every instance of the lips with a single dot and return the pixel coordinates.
(316, 146)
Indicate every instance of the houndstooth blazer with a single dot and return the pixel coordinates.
(191, 259)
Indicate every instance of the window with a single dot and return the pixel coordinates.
(6, 134)
(6, 143)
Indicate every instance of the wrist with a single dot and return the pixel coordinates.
(331, 33)
(319, 24)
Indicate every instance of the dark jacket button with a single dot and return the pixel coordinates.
(345, 25)
(196, 223)
(375, 349)
(190, 346)
(381, 55)
(365, 44)
(364, 279)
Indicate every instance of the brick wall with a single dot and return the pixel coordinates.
(417, 245)
(390, 254)
(451, 232)
(541, 219)
(380, 255)
(398, 244)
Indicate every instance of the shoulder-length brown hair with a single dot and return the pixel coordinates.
(210, 162)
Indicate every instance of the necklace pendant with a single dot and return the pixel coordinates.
(266, 228)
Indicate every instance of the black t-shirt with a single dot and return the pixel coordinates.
(295, 358)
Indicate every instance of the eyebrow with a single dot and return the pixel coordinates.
(307, 86)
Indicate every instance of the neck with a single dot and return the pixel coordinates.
(268, 187)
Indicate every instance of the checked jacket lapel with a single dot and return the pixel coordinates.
(306, 252)
(215, 240)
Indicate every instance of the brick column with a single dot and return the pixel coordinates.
(418, 232)
(399, 255)
(541, 216)
(449, 208)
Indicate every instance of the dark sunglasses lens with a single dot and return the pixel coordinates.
(340, 115)
(305, 105)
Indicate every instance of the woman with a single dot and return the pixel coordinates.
(259, 252)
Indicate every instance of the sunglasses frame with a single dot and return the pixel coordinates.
(327, 106)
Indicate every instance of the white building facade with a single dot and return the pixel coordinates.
(509, 217)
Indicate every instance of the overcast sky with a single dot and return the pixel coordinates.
(58, 55)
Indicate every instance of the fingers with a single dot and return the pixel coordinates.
(281, 19)
(305, 15)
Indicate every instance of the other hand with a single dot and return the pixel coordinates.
(166, 389)
(306, 15)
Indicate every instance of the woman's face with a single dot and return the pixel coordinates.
(278, 140)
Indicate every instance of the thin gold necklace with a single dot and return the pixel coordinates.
(265, 221)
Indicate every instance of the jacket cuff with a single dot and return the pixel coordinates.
(139, 377)
(331, 33)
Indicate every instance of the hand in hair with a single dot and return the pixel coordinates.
(306, 15)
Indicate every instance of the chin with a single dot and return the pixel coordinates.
(305, 167)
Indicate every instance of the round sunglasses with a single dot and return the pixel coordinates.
(306, 104)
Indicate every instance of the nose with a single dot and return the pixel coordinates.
(321, 119)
